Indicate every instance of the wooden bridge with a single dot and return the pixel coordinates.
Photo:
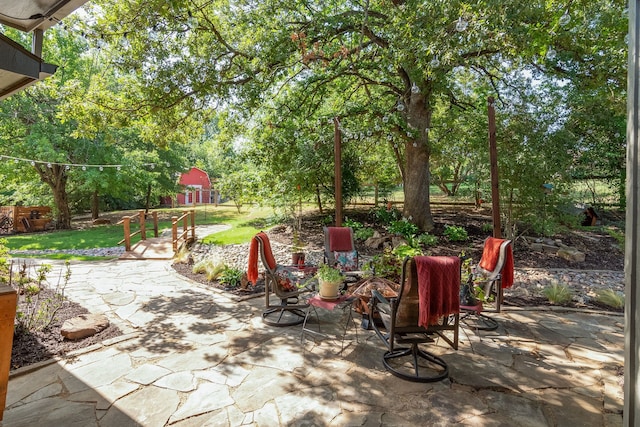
(157, 247)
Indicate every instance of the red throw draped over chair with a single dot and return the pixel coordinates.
(427, 306)
(286, 282)
(494, 273)
(340, 250)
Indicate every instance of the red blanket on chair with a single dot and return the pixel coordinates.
(490, 256)
(340, 239)
(438, 287)
(252, 270)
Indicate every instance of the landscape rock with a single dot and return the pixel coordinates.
(571, 254)
(83, 326)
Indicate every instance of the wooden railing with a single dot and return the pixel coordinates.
(142, 219)
(185, 218)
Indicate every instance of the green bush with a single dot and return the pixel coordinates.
(355, 225)
(403, 228)
(386, 265)
(455, 233)
(403, 251)
(426, 239)
(363, 233)
(610, 298)
(383, 216)
(38, 309)
(487, 228)
(557, 294)
(231, 277)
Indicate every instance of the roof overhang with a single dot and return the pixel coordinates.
(28, 15)
(20, 68)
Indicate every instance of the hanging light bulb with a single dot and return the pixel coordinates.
(84, 168)
(400, 106)
(33, 163)
(118, 167)
(385, 119)
(67, 167)
(152, 166)
(551, 54)
(426, 130)
(167, 89)
(15, 160)
(415, 88)
(564, 19)
(435, 62)
(461, 25)
(100, 168)
(49, 165)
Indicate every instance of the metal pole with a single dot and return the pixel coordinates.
(493, 160)
(337, 159)
(631, 417)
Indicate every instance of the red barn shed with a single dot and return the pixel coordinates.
(197, 188)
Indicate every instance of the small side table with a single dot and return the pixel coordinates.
(343, 303)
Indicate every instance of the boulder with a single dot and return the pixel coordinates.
(83, 326)
(571, 254)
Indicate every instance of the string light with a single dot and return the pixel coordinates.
(68, 166)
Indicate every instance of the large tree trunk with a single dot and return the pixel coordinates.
(417, 204)
(56, 178)
(95, 205)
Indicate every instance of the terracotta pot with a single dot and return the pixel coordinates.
(329, 289)
(297, 258)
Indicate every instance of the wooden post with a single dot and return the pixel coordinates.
(185, 225)
(155, 224)
(143, 225)
(337, 160)
(174, 232)
(126, 225)
(631, 412)
(493, 160)
(193, 225)
(8, 303)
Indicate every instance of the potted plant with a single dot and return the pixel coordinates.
(297, 250)
(329, 281)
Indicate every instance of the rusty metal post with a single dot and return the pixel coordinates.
(337, 159)
(493, 160)
(143, 225)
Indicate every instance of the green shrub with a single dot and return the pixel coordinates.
(426, 239)
(403, 228)
(386, 265)
(455, 233)
(557, 294)
(403, 251)
(610, 298)
(383, 216)
(363, 233)
(38, 309)
(355, 225)
(231, 277)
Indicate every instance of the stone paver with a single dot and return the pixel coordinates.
(196, 357)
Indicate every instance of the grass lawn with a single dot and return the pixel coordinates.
(244, 225)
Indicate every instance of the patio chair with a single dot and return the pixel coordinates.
(426, 307)
(340, 251)
(287, 283)
(495, 269)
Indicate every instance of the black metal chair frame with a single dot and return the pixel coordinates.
(413, 335)
(289, 311)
